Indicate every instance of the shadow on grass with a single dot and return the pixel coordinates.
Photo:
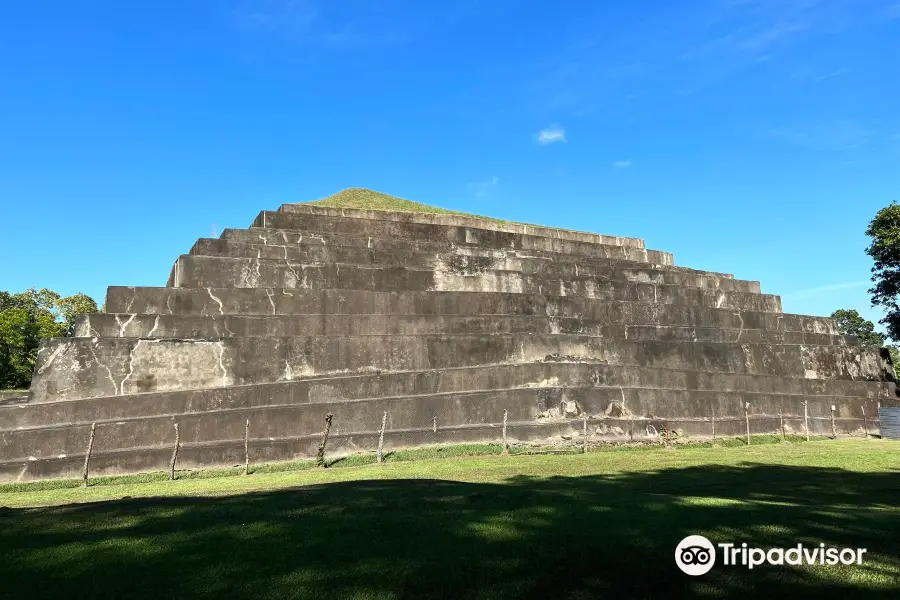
(577, 537)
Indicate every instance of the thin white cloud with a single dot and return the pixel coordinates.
(826, 288)
(284, 16)
(831, 136)
(622, 164)
(310, 21)
(550, 135)
(483, 188)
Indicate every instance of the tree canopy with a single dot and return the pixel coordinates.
(850, 322)
(884, 230)
(27, 317)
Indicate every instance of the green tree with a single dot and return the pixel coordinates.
(27, 317)
(850, 322)
(72, 307)
(884, 230)
(19, 336)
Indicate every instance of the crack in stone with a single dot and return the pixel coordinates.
(127, 323)
(216, 300)
(294, 272)
(739, 316)
(131, 357)
(50, 360)
(108, 370)
(221, 354)
(271, 295)
(155, 325)
(131, 301)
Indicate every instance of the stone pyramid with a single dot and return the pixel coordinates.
(445, 322)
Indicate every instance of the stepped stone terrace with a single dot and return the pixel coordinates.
(449, 323)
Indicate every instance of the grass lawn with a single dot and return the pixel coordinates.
(601, 525)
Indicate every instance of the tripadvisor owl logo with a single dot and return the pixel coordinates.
(695, 555)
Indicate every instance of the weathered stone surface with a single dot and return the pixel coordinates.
(628, 380)
(86, 367)
(214, 300)
(438, 320)
(309, 218)
(218, 326)
(459, 273)
(387, 250)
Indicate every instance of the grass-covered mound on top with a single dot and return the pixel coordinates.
(364, 199)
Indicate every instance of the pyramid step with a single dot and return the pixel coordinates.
(217, 326)
(454, 409)
(299, 238)
(471, 221)
(355, 239)
(120, 366)
(369, 250)
(392, 252)
(645, 300)
(623, 379)
(564, 280)
(421, 226)
(230, 453)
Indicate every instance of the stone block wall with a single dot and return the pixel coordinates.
(444, 322)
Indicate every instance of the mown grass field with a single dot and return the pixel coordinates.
(600, 525)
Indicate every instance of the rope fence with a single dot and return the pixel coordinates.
(602, 428)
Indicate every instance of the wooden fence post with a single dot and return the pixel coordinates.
(434, 425)
(174, 454)
(320, 455)
(833, 431)
(865, 421)
(87, 456)
(747, 419)
(381, 438)
(714, 422)
(505, 449)
(806, 418)
(584, 433)
(247, 447)
(783, 433)
(667, 435)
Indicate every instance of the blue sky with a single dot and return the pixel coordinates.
(752, 137)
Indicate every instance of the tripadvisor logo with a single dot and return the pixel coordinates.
(696, 555)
